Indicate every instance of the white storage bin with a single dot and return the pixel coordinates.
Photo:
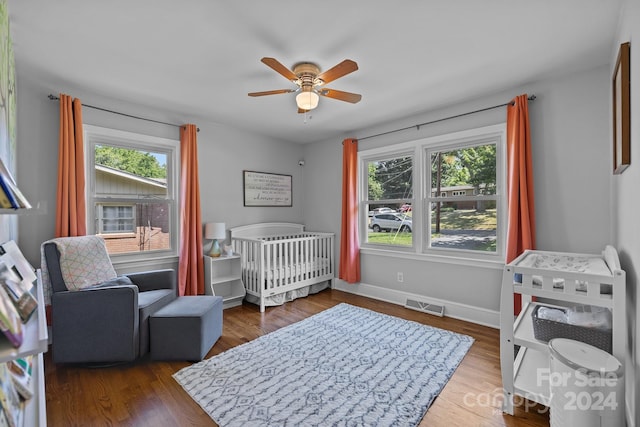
(586, 385)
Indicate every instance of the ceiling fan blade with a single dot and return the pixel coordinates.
(271, 92)
(342, 69)
(340, 95)
(279, 68)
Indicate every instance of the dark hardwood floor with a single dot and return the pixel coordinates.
(145, 394)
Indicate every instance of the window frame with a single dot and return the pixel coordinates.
(468, 140)
(420, 150)
(364, 202)
(95, 135)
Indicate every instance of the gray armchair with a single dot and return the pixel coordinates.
(107, 321)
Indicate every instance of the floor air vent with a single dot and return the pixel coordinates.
(426, 307)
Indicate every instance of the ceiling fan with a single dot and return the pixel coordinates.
(310, 82)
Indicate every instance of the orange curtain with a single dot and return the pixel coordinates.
(349, 244)
(191, 265)
(521, 229)
(70, 206)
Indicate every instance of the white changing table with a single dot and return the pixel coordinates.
(564, 277)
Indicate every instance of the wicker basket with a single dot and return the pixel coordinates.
(544, 330)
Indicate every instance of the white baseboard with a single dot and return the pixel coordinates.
(478, 315)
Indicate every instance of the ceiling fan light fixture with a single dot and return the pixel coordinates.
(307, 100)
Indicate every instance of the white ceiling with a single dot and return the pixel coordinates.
(200, 58)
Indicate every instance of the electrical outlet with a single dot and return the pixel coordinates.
(400, 277)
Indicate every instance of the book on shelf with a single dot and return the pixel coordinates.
(11, 191)
(21, 371)
(17, 277)
(12, 256)
(12, 404)
(18, 291)
(10, 323)
(7, 195)
(20, 200)
(5, 203)
(19, 295)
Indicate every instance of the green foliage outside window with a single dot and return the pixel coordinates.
(475, 166)
(128, 160)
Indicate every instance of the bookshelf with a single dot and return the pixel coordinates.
(19, 211)
(35, 342)
(223, 277)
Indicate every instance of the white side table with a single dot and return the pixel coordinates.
(223, 277)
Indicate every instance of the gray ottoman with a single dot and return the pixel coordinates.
(186, 328)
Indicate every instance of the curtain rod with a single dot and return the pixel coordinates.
(530, 98)
(55, 98)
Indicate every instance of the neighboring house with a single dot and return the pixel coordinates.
(126, 223)
(458, 191)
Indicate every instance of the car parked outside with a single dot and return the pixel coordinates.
(390, 222)
(380, 211)
(405, 208)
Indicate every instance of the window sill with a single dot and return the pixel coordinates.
(493, 264)
(150, 262)
(125, 235)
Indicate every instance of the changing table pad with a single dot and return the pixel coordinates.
(569, 263)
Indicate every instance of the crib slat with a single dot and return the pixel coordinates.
(295, 275)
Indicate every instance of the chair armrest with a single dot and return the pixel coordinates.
(154, 279)
(95, 324)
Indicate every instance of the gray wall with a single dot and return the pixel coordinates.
(223, 153)
(624, 210)
(571, 157)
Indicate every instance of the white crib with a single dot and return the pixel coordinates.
(281, 261)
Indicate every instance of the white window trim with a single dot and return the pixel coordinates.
(96, 135)
(420, 188)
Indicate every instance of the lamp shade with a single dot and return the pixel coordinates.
(307, 100)
(215, 230)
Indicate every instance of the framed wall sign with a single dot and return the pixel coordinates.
(622, 111)
(266, 189)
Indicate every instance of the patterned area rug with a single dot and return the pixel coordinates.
(345, 366)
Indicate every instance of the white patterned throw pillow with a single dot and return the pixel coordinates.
(84, 261)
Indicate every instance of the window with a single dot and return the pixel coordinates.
(131, 192)
(116, 218)
(461, 221)
(454, 184)
(389, 188)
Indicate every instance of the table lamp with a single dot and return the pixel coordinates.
(215, 231)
